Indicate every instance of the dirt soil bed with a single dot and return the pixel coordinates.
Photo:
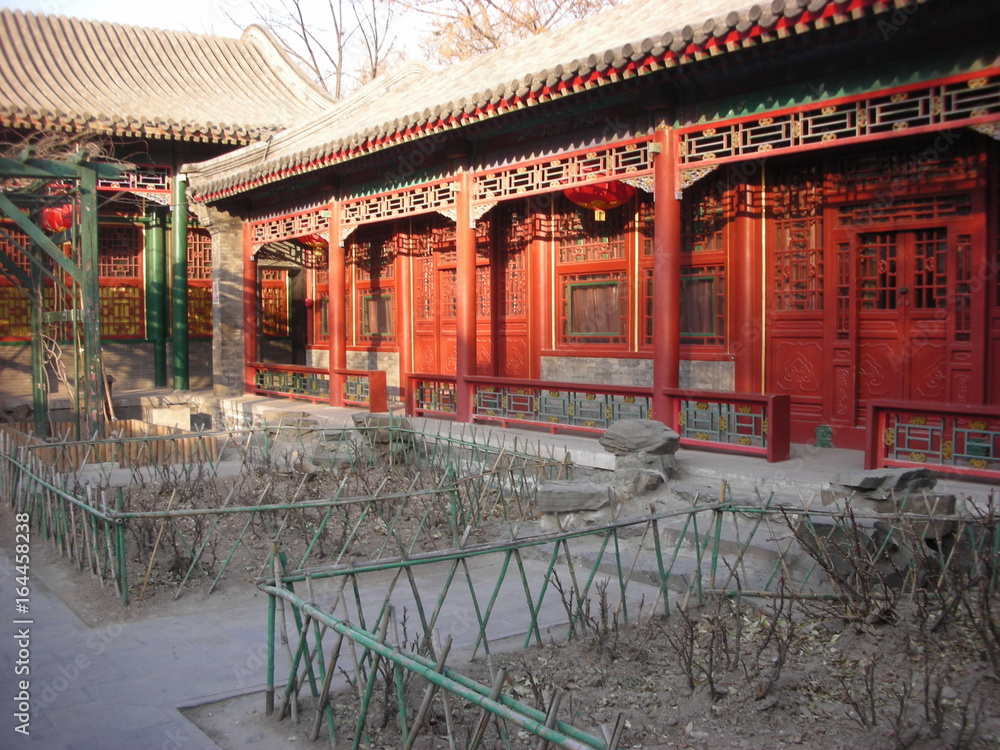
(785, 672)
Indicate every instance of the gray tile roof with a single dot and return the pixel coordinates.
(627, 40)
(59, 73)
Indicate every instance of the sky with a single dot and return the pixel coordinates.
(198, 16)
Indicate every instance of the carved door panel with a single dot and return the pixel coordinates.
(435, 317)
(909, 314)
(434, 321)
(511, 349)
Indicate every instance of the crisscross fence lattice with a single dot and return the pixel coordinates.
(518, 591)
(222, 515)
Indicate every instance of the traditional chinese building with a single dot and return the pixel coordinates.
(753, 222)
(145, 100)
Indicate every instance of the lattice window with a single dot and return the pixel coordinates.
(798, 265)
(703, 305)
(199, 255)
(516, 235)
(199, 311)
(877, 271)
(483, 292)
(930, 275)
(120, 252)
(11, 252)
(274, 312)
(893, 210)
(706, 212)
(594, 308)
(372, 252)
(199, 269)
(377, 315)
(318, 306)
(795, 208)
(843, 290)
(892, 171)
(121, 293)
(449, 299)
(963, 290)
(581, 238)
(121, 311)
(15, 313)
(648, 290)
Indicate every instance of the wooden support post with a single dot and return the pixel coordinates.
(666, 273)
(250, 327)
(337, 307)
(465, 303)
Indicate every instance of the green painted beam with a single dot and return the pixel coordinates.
(156, 293)
(41, 239)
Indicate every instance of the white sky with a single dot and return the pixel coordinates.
(198, 16)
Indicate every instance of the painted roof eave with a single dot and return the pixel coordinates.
(736, 31)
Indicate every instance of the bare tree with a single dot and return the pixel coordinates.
(374, 22)
(335, 42)
(460, 29)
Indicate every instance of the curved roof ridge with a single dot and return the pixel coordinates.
(70, 74)
(279, 60)
(625, 41)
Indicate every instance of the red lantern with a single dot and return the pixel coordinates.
(314, 241)
(56, 218)
(601, 196)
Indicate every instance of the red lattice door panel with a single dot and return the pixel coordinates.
(510, 285)
(913, 315)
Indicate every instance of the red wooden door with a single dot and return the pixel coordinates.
(511, 341)
(435, 322)
(912, 319)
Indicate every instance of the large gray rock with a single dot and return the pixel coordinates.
(565, 496)
(885, 483)
(379, 425)
(640, 435)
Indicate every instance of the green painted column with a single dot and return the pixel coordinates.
(178, 282)
(157, 319)
(90, 304)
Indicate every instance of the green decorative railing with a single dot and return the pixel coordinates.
(752, 423)
(306, 383)
(951, 438)
(357, 387)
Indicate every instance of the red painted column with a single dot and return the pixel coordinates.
(405, 314)
(666, 273)
(337, 309)
(747, 328)
(249, 311)
(465, 292)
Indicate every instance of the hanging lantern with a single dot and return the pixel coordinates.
(600, 197)
(314, 241)
(57, 218)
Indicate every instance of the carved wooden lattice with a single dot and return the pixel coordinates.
(631, 158)
(311, 221)
(121, 292)
(948, 103)
(139, 180)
